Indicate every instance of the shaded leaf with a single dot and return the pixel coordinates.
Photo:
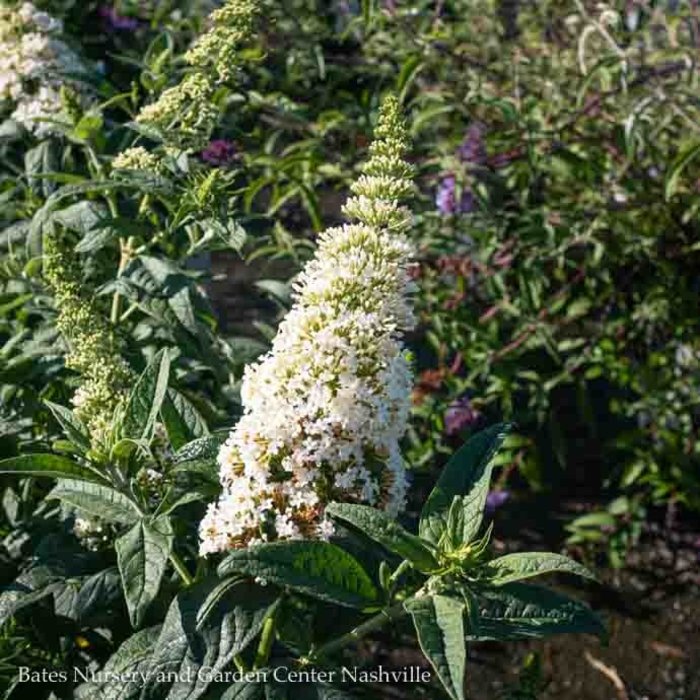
(146, 398)
(131, 661)
(182, 420)
(142, 557)
(191, 639)
(521, 610)
(439, 623)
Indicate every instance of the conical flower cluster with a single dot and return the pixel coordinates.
(325, 409)
(93, 348)
(186, 114)
(34, 64)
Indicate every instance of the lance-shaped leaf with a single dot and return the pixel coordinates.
(522, 610)
(72, 427)
(182, 420)
(131, 662)
(439, 623)
(245, 690)
(466, 475)
(48, 465)
(381, 528)
(146, 398)
(198, 634)
(204, 448)
(97, 596)
(318, 569)
(96, 499)
(142, 556)
(518, 566)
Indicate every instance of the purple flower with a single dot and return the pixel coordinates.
(446, 198)
(113, 21)
(495, 500)
(460, 414)
(473, 148)
(219, 152)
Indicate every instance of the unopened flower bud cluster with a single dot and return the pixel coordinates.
(136, 158)
(105, 376)
(186, 114)
(34, 64)
(325, 409)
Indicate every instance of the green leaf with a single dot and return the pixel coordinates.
(182, 420)
(198, 633)
(318, 569)
(130, 660)
(521, 610)
(72, 426)
(97, 594)
(381, 528)
(174, 286)
(244, 690)
(53, 466)
(81, 217)
(38, 161)
(515, 567)
(202, 448)
(88, 127)
(95, 239)
(142, 557)
(688, 154)
(439, 623)
(96, 499)
(467, 475)
(146, 398)
(172, 503)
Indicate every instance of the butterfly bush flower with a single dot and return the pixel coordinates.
(93, 348)
(34, 64)
(460, 414)
(219, 153)
(218, 50)
(325, 409)
(116, 22)
(136, 158)
(186, 114)
(494, 500)
(472, 151)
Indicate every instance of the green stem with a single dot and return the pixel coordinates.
(374, 623)
(125, 247)
(400, 569)
(265, 645)
(181, 569)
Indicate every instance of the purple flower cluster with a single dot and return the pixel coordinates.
(473, 148)
(219, 153)
(495, 500)
(114, 22)
(460, 415)
(473, 152)
(446, 198)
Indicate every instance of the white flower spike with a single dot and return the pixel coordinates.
(325, 409)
